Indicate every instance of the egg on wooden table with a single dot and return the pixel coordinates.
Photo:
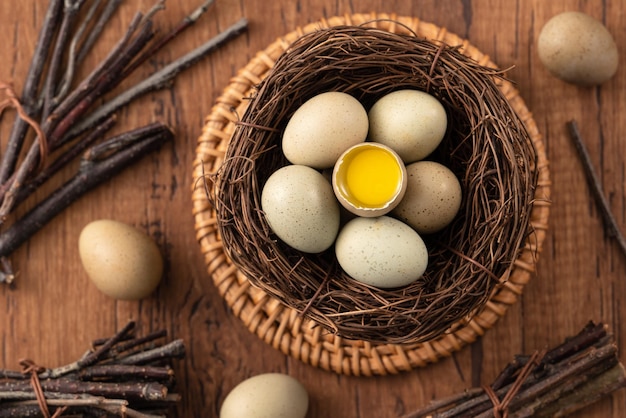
(432, 198)
(301, 209)
(121, 261)
(322, 128)
(268, 395)
(411, 122)
(578, 49)
(382, 252)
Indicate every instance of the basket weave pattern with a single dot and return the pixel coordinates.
(282, 326)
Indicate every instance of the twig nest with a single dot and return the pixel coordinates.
(485, 145)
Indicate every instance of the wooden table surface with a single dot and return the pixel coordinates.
(53, 312)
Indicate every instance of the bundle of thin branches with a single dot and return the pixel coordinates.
(124, 375)
(487, 146)
(68, 117)
(561, 381)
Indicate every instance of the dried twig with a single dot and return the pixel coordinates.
(610, 224)
(98, 383)
(582, 369)
(158, 80)
(69, 119)
(29, 92)
(91, 173)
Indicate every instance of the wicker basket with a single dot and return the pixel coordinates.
(321, 336)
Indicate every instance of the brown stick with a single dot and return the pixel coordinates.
(89, 175)
(174, 349)
(151, 391)
(29, 92)
(610, 224)
(98, 385)
(583, 369)
(126, 372)
(65, 121)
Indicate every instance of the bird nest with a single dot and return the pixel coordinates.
(486, 145)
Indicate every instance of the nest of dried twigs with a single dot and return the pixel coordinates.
(487, 146)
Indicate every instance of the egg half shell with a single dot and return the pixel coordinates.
(379, 177)
(268, 395)
(121, 261)
(300, 208)
(432, 198)
(324, 127)
(382, 252)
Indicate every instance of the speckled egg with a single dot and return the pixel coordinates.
(300, 208)
(578, 49)
(269, 395)
(432, 198)
(382, 252)
(323, 128)
(121, 261)
(411, 122)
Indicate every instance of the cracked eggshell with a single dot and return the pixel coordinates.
(301, 209)
(268, 395)
(323, 128)
(382, 252)
(432, 198)
(121, 261)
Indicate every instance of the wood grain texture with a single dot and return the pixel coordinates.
(53, 312)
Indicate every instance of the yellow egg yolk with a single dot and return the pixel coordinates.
(372, 177)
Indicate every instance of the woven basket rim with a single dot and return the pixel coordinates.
(281, 326)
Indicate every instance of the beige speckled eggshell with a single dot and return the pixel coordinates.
(323, 128)
(432, 198)
(578, 49)
(382, 252)
(121, 261)
(269, 395)
(411, 122)
(301, 208)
